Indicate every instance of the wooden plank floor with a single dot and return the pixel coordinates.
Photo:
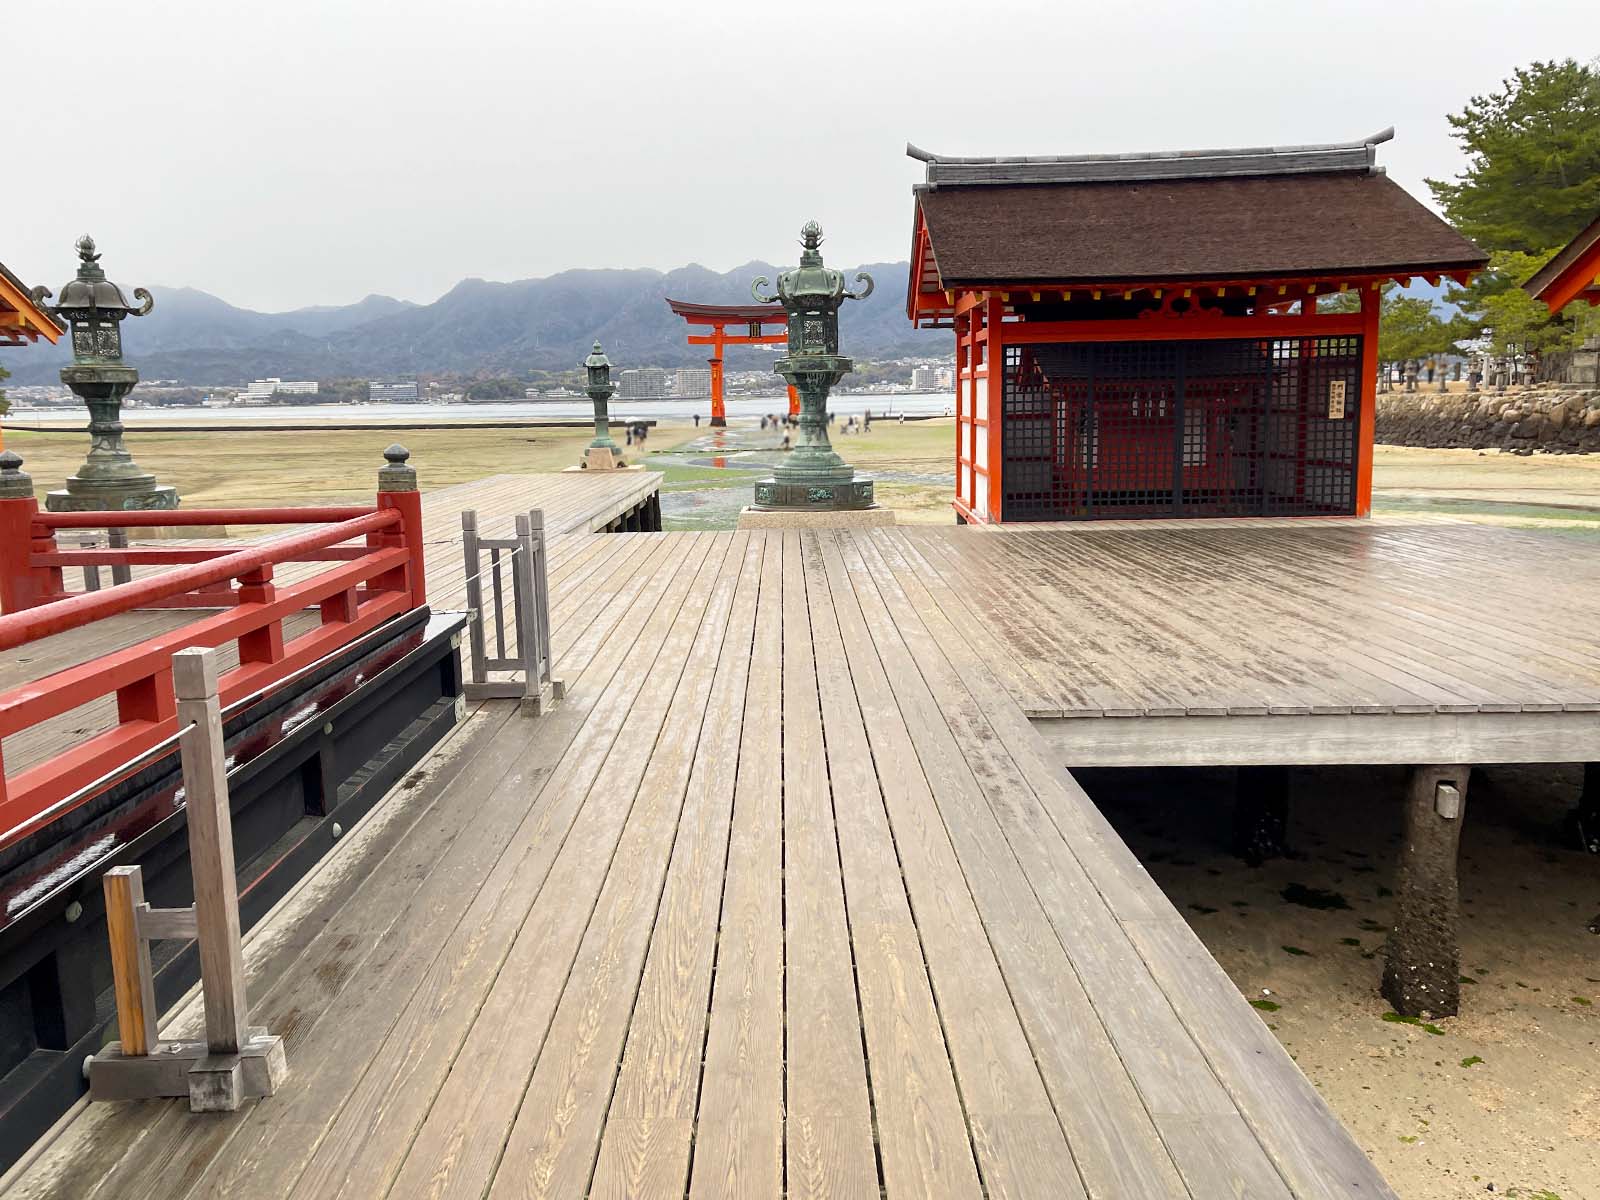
(785, 899)
(1250, 618)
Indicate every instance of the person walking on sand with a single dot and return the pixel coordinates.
(697, 420)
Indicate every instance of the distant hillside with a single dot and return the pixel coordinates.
(478, 326)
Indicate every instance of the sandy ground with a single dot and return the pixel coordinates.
(1508, 1093)
(1541, 490)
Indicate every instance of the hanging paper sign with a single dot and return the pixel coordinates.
(1336, 400)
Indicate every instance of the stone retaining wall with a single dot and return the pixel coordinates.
(1551, 418)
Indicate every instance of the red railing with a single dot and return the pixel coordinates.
(364, 585)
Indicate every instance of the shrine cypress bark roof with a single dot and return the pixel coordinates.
(1269, 213)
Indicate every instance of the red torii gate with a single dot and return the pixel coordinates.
(719, 316)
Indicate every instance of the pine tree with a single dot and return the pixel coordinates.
(1532, 179)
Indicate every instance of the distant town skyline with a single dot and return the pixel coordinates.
(312, 154)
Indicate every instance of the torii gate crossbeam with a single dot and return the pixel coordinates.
(755, 318)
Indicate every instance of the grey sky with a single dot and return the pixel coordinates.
(291, 153)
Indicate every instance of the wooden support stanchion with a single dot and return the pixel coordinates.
(234, 1063)
(130, 960)
(527, 556)
(1422, 971)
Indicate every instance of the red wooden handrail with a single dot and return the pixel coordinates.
(363, 585)
(61, 615)
(201, 516)
(168, 556)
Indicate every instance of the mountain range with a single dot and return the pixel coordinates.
(478, 327)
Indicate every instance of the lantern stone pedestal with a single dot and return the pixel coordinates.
(108, 478)
(833, 518)
(599, 458)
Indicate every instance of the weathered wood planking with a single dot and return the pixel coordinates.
(787, 898)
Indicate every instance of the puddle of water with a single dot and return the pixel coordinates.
(709, 480)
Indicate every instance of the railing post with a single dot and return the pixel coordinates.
(533, 611)
(91, 572)
(525, 593)
(117, 539)
(216, 887)
(397, 489)
(234, 1063)
(469, 553)
(264, 645)
(131, 980)
(23, 585)
(540, 555)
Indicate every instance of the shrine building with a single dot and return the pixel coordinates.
(1189, 334)
(22, 321)
(1572, 275)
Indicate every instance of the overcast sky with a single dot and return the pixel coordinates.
(289, 153)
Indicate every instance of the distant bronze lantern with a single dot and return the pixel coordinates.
(603, 453)
(95, 308)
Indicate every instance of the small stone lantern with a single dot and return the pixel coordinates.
(95, 308)
(603, 454)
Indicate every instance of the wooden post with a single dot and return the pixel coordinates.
(994, 362)
(525, 609)
(719, 412)
(1423, 971)
(1583, 822)
(541, 577)
(469, 552)
(131, 980)
(216, 888)
(397, 490)
(235, 1062)
(1261, 814)
(91, 572)
(117, 539)
(23, 585)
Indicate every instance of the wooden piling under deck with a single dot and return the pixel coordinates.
(791, 896)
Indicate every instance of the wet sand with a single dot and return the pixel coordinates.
(1508, 1093)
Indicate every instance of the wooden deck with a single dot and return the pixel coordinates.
(1249, 642)
(792, 895)
(786, 899)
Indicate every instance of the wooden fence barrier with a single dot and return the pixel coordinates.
(235, 1062)
(527, 556)
(373, 573)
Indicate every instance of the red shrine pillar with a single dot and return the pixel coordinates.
(719, 415)
(794, 402)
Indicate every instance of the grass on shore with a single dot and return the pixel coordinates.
(228, 468)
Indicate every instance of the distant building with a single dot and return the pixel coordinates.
(642, 383)
(261, 391)
(402, 391)
(692, 381)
